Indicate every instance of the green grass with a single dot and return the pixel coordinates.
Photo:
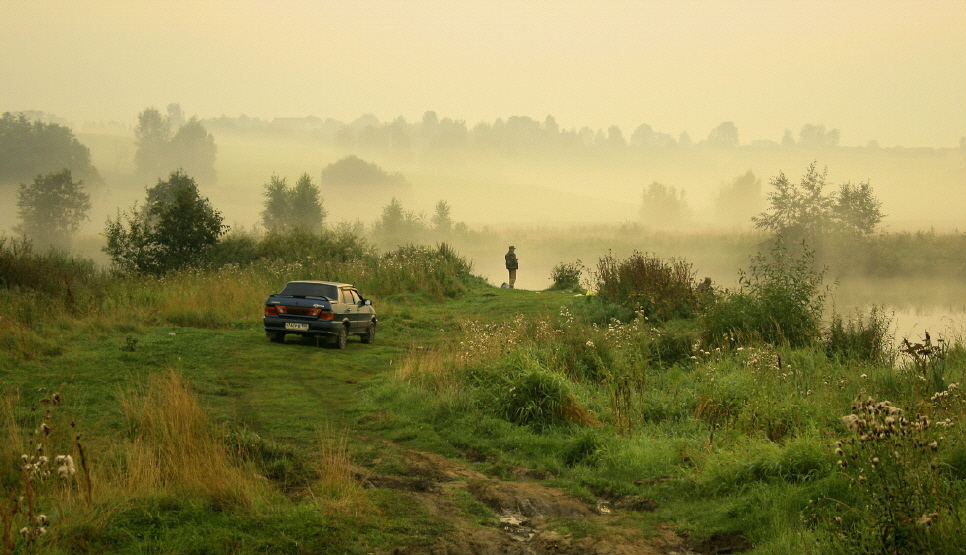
(729, 438)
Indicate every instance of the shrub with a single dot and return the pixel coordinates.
(302, 244)
(860, 339)
(781, 301)
(657, 288)
(566, 276)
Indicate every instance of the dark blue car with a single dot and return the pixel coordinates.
(320, 309)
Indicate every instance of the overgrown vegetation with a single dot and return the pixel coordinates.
(722, 409)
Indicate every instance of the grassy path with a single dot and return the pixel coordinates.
(281, 391)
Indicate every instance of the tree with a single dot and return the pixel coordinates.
(191, 148)
(856, 209)
(306, 203)
(174, 230)
(293, 207)
(662, 205)
(52, 208)
(276, 213)
(152, 135)
(30, 148)
(725, 135)
(815, 136)
(741, 200)
(805, 211)
(442, 222)
(397, 225)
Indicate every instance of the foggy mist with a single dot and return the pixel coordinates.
(553, 127)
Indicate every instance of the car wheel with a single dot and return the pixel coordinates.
(340, 338)
(276, 337)
(370, 334)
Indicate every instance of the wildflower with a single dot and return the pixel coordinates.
(24, 531)
(875, 461)
(66, 466)
(590, 343)
(852, 422)
(864, 376)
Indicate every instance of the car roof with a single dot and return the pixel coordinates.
(335, 283)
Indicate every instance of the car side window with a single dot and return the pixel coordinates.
(356, 299)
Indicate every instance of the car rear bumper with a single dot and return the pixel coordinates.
(314, 327)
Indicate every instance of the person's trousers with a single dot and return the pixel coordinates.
(513, 277)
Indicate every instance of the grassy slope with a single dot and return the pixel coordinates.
(288, 394)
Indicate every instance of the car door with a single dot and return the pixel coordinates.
(360, 317)
(347, 309)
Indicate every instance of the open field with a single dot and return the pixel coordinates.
(482, 419)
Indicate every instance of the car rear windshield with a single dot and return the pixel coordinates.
(300, 289)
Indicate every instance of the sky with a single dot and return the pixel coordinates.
(884, 70)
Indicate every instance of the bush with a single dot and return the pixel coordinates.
(859, 339)
(658, 289)
(566, 276)
(780, 302)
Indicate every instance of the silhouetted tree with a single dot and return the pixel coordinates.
(306, 203)
(741, 200)
(645, 136)
(805, 211)
(725, 135)
(662, 206)
(277, 207)
(152, 135)
(191, 148)
(857, 210)
(52, 208)
(816, 136)
(296, 207)
(442, 222)
(175, 229)
(31, 148)
(353, 173)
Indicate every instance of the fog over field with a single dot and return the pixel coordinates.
(531, 120)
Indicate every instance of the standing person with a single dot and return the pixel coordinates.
(512, 265)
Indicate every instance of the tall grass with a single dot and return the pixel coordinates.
(175, 448)
(736, 412)
(41, 292)
(659, 289)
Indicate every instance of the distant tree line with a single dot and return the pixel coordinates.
(513, 136)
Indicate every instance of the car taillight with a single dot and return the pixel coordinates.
(271, 311)
(326, 315)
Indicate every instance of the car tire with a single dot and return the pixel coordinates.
(276, 337)
(341, 338)
(370, 335)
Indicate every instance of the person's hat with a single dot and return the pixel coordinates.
(512, 247)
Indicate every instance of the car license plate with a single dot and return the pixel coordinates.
(296, 326)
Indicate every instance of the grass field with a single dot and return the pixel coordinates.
(189, 432)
